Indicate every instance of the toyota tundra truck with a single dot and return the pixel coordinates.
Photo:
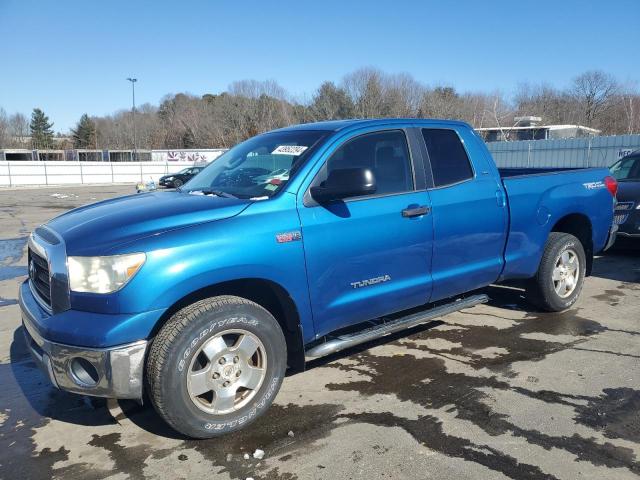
(296, 244)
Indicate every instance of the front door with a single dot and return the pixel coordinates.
(370, 256)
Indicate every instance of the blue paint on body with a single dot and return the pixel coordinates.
(478, 232)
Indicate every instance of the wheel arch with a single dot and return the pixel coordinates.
(578, 225)
(266, 293)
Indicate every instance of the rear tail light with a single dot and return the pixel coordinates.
(612, 185)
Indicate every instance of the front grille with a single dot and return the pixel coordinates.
(622, 212)
(39, 276)
(620, 219)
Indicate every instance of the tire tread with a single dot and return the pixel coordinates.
(538, 293)
(161, 346)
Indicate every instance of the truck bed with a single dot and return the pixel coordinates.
(519, 172)
(538, 197)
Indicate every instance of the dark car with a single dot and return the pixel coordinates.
(627, 215)
(176, 180)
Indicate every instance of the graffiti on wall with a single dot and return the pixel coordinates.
(186, 156)
(179, 156)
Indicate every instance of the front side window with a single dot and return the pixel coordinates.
(259, 167)
(449, 161)
(386, 154)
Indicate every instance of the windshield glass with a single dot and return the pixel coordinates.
(258, 167)
(626, 169)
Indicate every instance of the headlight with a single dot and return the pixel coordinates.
(103, 274)
(169, 178)
(638, 206)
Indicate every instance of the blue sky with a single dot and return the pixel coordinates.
(71, 57)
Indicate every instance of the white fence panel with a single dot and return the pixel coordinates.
(17, 173)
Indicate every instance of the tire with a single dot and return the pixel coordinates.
(186, 356)
(545, 290)
(177, 183)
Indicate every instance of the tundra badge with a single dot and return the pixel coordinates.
(371, 281)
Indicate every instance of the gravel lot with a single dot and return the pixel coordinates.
(496, 391)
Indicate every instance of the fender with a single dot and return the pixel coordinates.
(248, 245)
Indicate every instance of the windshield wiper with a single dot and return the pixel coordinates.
(217, 193)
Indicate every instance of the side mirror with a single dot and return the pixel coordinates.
(345, 183)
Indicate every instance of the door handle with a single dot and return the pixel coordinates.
(415, 211)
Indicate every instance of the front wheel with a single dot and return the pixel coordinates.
(558, 282)
(177, 183)
(216, 366)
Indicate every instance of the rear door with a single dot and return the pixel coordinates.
(369, 256)
(469, 213)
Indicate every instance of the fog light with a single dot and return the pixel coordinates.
(83, 372)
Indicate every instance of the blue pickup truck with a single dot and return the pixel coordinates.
(296, 244)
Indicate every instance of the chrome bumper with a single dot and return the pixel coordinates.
(110, 372)
(613, 232)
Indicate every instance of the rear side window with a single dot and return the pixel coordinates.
(449, 161)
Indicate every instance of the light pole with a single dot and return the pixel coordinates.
(133, 113)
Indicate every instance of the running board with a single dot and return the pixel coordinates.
(350, 340)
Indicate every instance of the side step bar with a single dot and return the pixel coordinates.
(342, 342)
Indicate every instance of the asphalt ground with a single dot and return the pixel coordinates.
(496, 391)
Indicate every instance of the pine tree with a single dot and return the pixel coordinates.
(84, 135)
(41, 132)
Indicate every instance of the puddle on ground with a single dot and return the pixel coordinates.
(268, 433)
(7, 301)
(7, 273)
(616, 413)
(11, 250)
(424, 381)
(30, 403)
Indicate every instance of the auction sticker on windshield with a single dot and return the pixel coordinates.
(289, 150)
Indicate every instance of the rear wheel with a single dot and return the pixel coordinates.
(558, 282)
(216, 366)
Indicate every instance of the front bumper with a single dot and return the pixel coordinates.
(628, 219)
(115, 372)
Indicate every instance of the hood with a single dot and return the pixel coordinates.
(98, 228)
(629, 191)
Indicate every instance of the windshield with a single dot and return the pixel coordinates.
(258, 167)
(626, 169)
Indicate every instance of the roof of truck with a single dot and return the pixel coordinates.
(336, 125)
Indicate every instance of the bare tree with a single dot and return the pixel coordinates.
(630, 102)
(594, 93)
(249, 107)
(19, 129)
(5, 136)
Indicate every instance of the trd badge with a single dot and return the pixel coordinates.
(288, 237)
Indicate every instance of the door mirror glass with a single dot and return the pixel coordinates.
(345, 183)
